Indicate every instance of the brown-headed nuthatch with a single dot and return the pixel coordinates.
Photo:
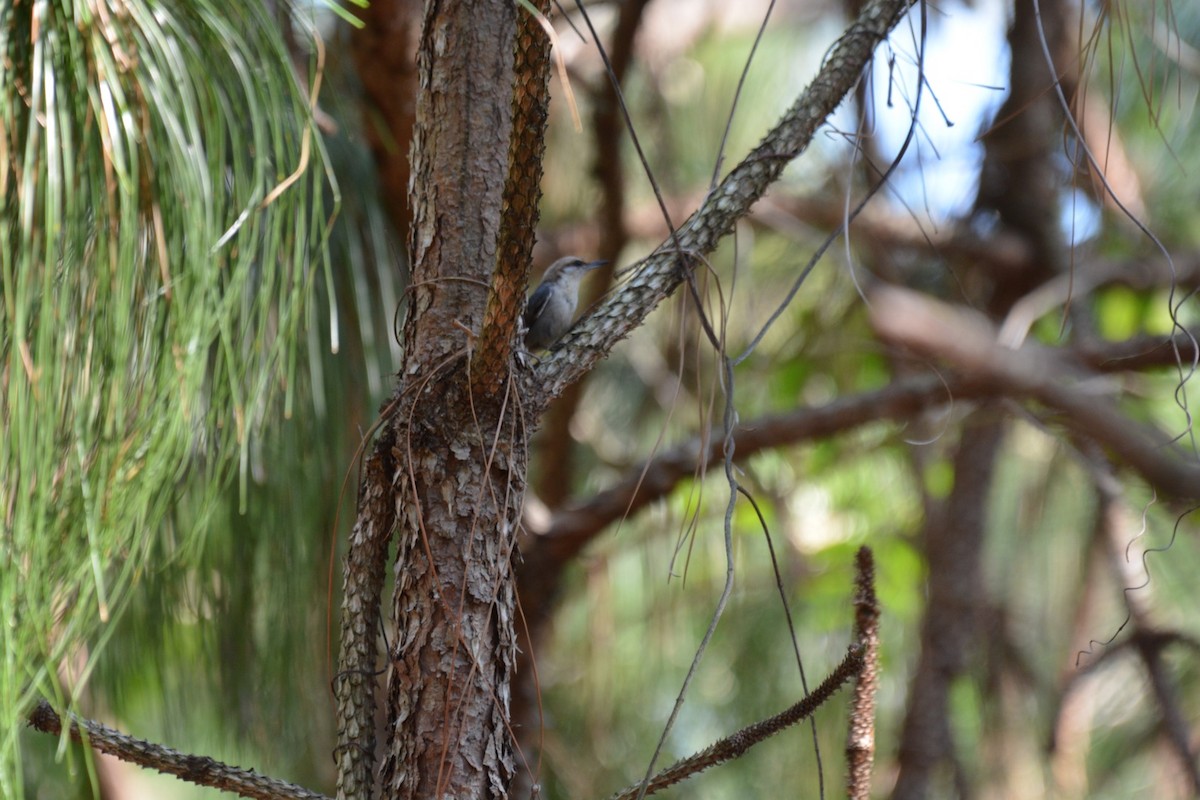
(551, 308)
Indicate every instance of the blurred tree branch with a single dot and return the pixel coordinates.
(200, 770)
(969, 343)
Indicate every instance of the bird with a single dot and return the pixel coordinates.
(551, 308)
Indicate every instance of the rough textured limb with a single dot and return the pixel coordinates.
(659, 274)
(860, 742)
(460, 465)
(200, 770)
(354, 683)
(519, 209)
(732, 747)
(458, 493)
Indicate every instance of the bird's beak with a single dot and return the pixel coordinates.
(594, 264)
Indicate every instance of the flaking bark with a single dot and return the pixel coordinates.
(519, 209)
(459, 477)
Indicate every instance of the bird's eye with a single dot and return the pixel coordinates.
(577, 262)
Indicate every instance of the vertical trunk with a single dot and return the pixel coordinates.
(1021, 185)
(954, 542)
(459, 488)
(384, 52)
(459, 476)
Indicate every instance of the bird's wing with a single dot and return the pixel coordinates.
(537, 304)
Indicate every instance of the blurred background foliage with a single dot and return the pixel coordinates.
(223, 647)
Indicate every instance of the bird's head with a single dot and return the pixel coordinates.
(570, 269)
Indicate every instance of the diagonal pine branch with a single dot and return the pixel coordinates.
(861, 654)
(660, 274)
(737, 744)
(200, 770)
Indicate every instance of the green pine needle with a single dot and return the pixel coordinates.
(151, 301)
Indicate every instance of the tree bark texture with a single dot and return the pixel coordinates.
(522, 194)
(459, 478)
(354, 683)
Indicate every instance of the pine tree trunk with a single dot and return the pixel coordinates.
(459, 477)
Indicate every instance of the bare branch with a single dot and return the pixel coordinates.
(1083, 281)
(969, 342)
(572, 528)
(200, 770)
(568, 531)
(1141, 352)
